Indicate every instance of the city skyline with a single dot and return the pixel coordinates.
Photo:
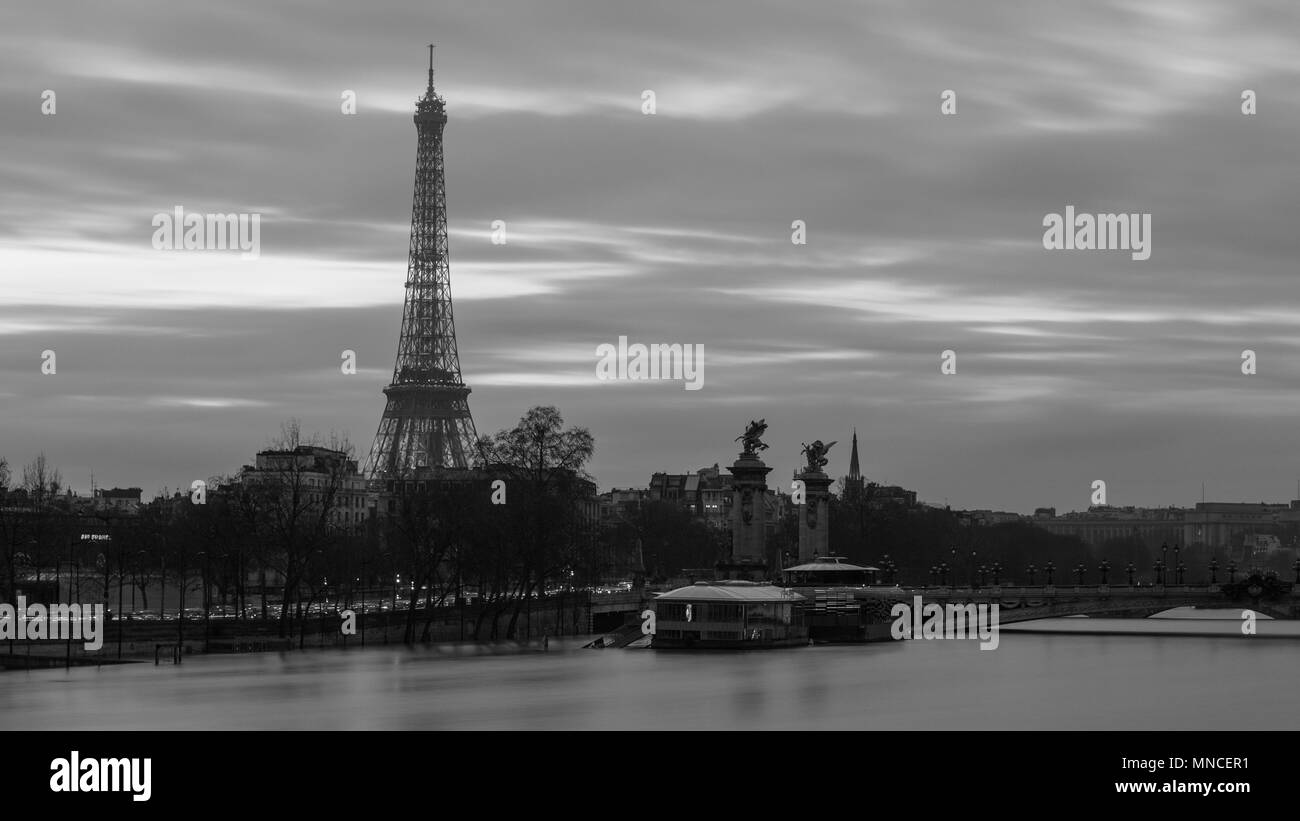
(674, 227)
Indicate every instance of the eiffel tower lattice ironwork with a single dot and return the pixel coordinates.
(426, 425)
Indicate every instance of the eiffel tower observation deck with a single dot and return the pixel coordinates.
(426, 428)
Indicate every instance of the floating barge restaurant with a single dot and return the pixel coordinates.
(845, 602)
(738, 615)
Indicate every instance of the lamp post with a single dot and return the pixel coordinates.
(1078, 572)
(239, 580)
(180, 607)
(1032, 569)
(943, 570)
(1050, 569)
(1214, 569)
(162, 584)
(1130, 570)
(101, 561)
(997, 571)
(1164, 554)
(972, 570)
(68, 664)
(207, 625)
(141, 558)
(121, 561)
(934, 575)
(397, 580)
(983, 570)
(1296, 567)
(1104, 567)
(460, 595)
(1232, 572)
(364, 580)
(1181, 567)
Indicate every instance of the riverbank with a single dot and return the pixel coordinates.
(163, 642)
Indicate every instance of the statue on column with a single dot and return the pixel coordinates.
(816, 453)
(752, 437)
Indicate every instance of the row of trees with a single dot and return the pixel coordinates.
(296, 532)
(31, 524)
(919, 539)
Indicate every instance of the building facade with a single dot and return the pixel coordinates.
(1233, 527)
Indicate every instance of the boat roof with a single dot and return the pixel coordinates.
(828, 563)
(732, 591)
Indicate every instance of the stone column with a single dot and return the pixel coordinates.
(814, 517)
(749, 510)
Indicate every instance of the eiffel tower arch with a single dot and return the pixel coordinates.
(426, 428)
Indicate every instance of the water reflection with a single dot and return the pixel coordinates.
(1033, 680)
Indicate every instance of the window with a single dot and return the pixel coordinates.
(671, 611)
(724, 613)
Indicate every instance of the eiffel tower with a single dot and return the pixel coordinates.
(426, 428)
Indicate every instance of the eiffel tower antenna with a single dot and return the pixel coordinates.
(426, 427)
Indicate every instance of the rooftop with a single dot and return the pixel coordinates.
(828, 563)
(732, 591)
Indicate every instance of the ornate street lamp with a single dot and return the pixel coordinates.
(943, 571)
(997, 570)
(934, 575)
(1214, 569)
(1130, 570)
(983, 570)
(1050, 568)
(1078, 571)
(1232, 572)
(1104, 567)
(1181, 568)
(1032, 570)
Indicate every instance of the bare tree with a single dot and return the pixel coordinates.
(11, 534)
(41, 484)
(292, 496)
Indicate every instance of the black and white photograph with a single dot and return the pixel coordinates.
(920, 372)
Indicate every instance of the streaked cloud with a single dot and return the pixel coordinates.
(924, 233)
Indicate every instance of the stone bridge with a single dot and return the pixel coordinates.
(1027, 603)
(1267, 595)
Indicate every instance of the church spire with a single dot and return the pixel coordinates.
(854, 472)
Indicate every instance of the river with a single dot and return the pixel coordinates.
(1033, 680)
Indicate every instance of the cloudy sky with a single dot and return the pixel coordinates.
(924, 233)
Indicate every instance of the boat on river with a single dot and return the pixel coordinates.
(729, 615)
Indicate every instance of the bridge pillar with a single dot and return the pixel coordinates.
(814, 521)
(749, 509)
